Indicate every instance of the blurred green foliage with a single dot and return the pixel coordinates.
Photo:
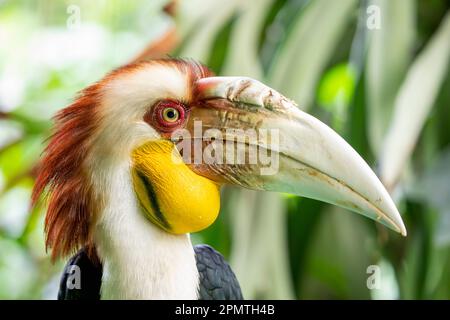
(320, 53)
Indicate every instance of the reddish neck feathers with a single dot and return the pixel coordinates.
(71, 202)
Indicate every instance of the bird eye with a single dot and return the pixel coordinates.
(167, 115)
(170, 114)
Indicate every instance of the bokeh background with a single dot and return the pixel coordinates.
(376, 71)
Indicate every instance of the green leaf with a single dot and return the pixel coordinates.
(336, 91)
(220, 47)
(201, 32)
(389, 54)
(242, 58)
(436, 178)
(414, 103)
(356, 133)
(259, 253)
(336, 87)
(340, 253)
(297, 67)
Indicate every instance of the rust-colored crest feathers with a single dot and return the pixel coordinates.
(70, 198)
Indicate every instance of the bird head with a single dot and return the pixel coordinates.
(181, 133)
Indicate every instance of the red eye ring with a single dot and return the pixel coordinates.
(167, 115)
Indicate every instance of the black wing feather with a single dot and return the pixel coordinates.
(217, 280)
(90, 279)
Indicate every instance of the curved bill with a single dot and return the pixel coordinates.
(245, 133)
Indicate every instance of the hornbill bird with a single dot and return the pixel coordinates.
(125, 191)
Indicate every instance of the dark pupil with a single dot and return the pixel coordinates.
(171, 114)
